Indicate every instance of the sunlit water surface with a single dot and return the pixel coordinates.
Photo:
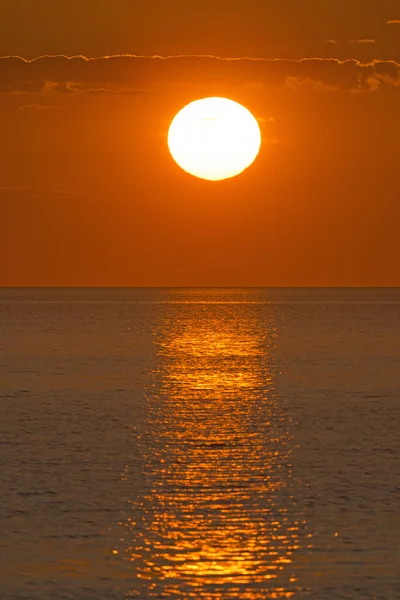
(220, 444)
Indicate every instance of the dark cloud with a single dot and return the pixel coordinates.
(128, 74)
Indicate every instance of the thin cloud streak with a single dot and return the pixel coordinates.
(41, 107)
(27, 191)
(363, 41)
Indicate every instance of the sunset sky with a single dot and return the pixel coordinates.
(89, 194)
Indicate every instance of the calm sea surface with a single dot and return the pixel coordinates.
(211, 444)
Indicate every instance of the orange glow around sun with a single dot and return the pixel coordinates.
(214, 138)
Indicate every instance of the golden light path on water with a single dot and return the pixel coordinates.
(215, 518)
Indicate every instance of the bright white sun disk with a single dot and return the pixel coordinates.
(214, 138)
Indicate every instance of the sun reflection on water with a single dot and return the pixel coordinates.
(215, 518)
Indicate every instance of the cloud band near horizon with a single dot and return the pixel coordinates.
(138, 74)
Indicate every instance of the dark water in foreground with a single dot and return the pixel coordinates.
(221, 444)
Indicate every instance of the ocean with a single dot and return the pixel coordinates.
(199, 443)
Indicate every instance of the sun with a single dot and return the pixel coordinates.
(214, 138)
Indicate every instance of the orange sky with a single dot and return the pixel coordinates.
(89, 194)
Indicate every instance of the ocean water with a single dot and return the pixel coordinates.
(199, 443)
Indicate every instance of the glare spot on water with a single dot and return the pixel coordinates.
(217, 516)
